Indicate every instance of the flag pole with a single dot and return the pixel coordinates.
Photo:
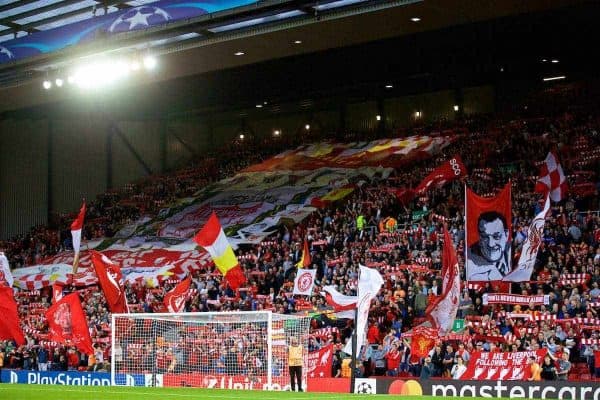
(466, 228)
(354, 341)
(354, 350)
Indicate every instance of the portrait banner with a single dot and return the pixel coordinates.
(488, 236)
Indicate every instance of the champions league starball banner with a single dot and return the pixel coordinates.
(131, 19)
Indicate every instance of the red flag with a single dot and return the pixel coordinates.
(67, 323)
(552, 179)
(111, 281)
(488, 236)
(57, 293)
(423, 340)
(175, 299)
(305, 261)
(442, 311)
(448, 171)
(10, 326)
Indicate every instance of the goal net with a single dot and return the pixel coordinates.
(225, 350)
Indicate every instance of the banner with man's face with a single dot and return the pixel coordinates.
(488, 236)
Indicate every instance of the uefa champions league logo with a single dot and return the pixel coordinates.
(139, 17)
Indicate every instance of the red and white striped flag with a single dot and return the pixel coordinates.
(76, 228)
(552, 179)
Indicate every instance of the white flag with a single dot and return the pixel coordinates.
(530, 248)
(304, 282)
(6, 278)
(369, 283)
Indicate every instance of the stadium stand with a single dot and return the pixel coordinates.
(494, 148)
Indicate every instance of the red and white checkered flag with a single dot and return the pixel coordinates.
(552, 179)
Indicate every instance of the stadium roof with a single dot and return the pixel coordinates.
(20, 17)
(264, 31)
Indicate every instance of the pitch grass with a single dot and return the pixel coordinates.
(58, 392)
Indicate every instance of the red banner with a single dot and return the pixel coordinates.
(501, 365)
(488, 236)
(319, 362)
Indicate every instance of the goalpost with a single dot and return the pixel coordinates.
(225, 350)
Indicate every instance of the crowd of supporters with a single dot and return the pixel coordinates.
(494, 149)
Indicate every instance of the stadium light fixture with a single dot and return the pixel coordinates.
(389, 86)
(378, 117)
(297, 41)
(456, 107)
(554, 78)
(555, 61)
(544, 60)
(239, 53)
(307, 127)
(415, 19)
(47, 84)
(242, 136)
(259, 106)
(149, 62)
(418, 114)
(276, 132)
(59, 82)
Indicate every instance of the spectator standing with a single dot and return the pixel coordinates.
(428, 369)
(564, 366)
(535, 369)
(42, 359)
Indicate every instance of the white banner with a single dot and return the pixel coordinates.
(304, 282)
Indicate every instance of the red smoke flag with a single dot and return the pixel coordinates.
(176, 298)
(442, 311)
(67, 324)
(111, 282)
(423, 340)
(57, 292)
(212, 238)
(305, 261)
(552, 179)
(76, 228)
(10, 326)
(488, 236)
(448, 171)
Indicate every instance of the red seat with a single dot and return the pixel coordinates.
(585, 377)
